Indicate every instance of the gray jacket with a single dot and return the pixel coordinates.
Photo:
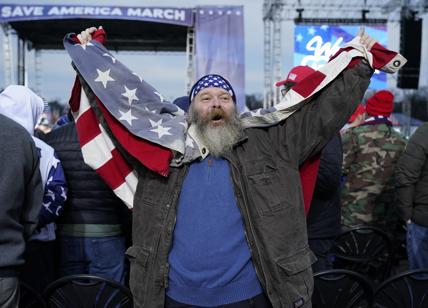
(20, 194)
(411, 174)
(265, 173)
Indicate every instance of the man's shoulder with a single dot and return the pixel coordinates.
(371, 131)
(60, 134)
(360, 129)
(421, 133)
(12, 131)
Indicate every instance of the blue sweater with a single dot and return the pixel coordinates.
(210, 262)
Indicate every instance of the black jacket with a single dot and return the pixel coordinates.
(20, 193)
(324, 215)
(90, 200)
(412, 178)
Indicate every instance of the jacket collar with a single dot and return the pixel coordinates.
(377, 120)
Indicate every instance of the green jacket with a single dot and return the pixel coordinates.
(370, 154)
(265, 174)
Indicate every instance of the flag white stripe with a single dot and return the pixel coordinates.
(127, 190)
(97, 152)
(83, 106)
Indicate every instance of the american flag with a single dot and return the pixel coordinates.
(115, 110)
(119, 115)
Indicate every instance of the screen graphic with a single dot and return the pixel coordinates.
(315, 44)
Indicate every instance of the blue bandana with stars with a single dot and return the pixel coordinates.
(211, 81)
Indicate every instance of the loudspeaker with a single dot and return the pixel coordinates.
(410, 48)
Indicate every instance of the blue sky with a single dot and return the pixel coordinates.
(166, 70)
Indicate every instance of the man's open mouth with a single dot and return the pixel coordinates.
(217, 117)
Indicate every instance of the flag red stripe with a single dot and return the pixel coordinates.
(115, 170)
(153, 156)
(87, 126)
(308, 177)
(381, 55)
(74, 100)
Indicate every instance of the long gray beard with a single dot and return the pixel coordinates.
(218, 139)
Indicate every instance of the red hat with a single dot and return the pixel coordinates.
(360, 110)
(297, 74)
(381, 103)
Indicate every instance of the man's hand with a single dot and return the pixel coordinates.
(86, 35)
(365, 39)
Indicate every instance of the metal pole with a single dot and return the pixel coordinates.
(190, 57)
(7, 54)
(21, 61)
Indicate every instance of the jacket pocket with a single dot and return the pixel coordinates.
(296, 278)
(138, 255)
(138, 259)
(264, 183)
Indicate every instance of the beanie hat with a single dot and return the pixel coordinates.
(381, 103)
(360, 110)
(211, 81)
(297, 74)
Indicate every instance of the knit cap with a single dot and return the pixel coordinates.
(381, 103)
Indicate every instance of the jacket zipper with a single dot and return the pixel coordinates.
(254, 254)
(170, 233)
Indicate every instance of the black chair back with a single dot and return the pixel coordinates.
(30, 298)
(341, 289)
(366, 250)
(404, 290)
(87, 291)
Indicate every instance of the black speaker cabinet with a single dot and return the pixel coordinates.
(410, 48)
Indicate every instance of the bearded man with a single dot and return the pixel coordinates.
(227, 228)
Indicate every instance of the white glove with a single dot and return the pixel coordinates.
(86, 35)
(365, 39)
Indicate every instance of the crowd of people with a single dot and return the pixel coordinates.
(242, 220)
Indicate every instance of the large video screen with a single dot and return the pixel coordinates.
(315, 44)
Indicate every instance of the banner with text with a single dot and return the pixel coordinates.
(219, 46)
(14, 12)
(315, 44)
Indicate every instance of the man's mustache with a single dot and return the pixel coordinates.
(217, 114)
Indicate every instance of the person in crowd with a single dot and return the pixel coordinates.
(411, 185)
(323, 219)
(356, 118)
(371, 151)
(92, 228)
(64, 119)
(182, 102)
(43, 126)
(23, 106)
(228, 228)
(20, 200)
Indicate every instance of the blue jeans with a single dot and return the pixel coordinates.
(100, 256)
(417, 246)
(259, 301)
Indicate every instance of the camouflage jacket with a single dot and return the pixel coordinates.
(371, 151)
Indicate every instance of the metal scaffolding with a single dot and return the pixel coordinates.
(321, 11)
(190, 58)
(38, 70)
(272, 12)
